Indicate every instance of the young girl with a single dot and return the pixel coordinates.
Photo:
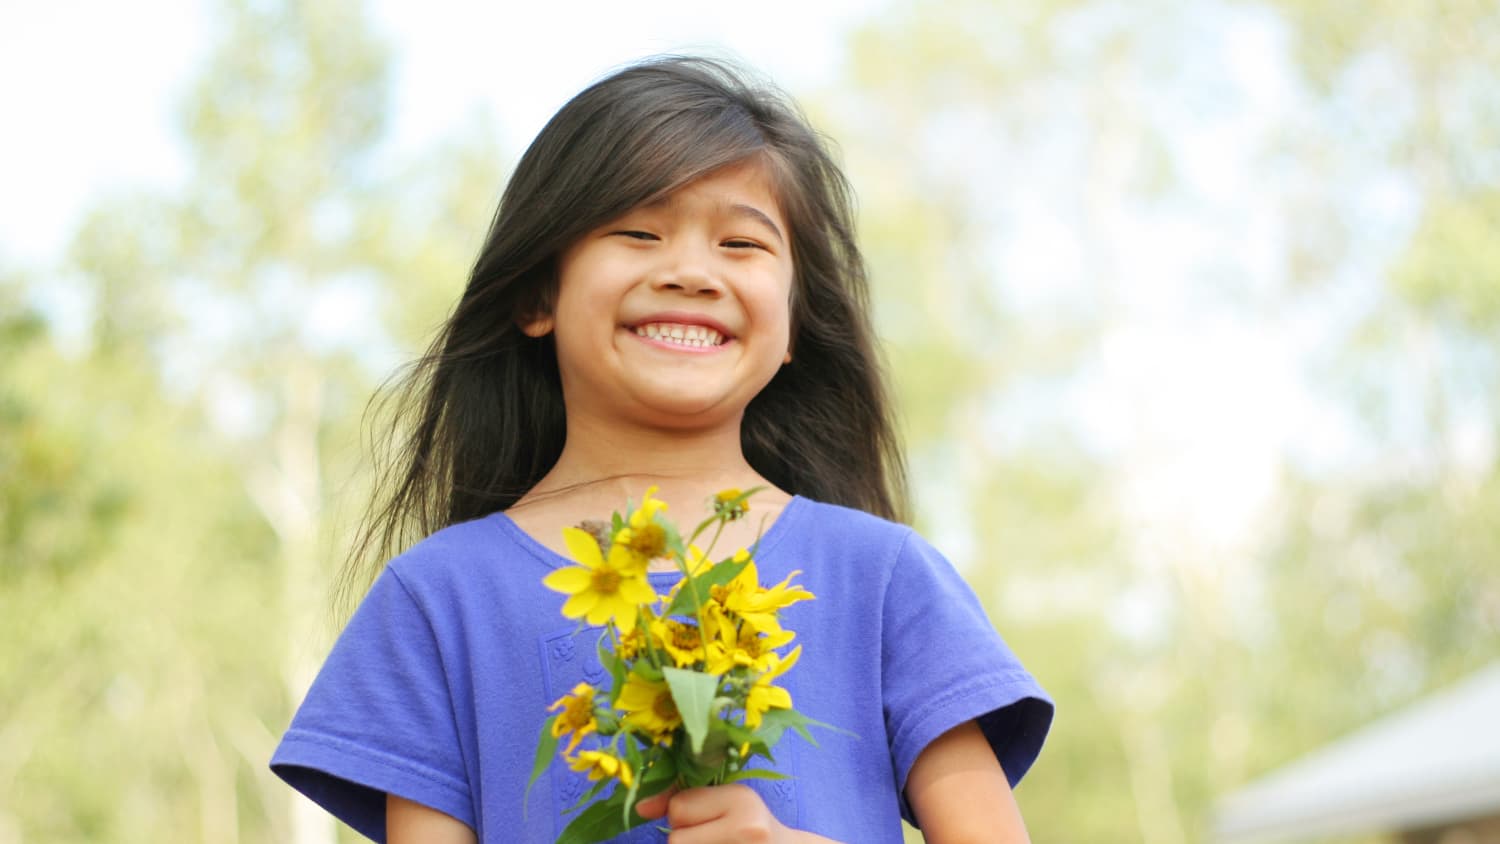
(670, 295)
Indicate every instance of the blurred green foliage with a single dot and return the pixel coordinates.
(173, 497)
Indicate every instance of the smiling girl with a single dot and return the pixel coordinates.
(670, 296)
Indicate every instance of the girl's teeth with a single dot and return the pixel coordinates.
(683, 335)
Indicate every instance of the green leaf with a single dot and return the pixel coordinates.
(660, 775)
(546, 748)
(598, 822)
(719, 575)
(694, 693)
(693, 773)
(716, 747)
(778, 721)
(634, 760)
(741, 735)
(615, 666)
(587, 796)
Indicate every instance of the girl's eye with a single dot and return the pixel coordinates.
(738, 243)
(638, 235)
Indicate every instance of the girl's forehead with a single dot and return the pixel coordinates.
(742, 189)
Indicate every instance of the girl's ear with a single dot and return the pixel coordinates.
(537, 326)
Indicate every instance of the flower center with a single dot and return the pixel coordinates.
(750, 642)
(684, 636)
(606, 581)
(664, 707)
(630, 643)
(648, 540)
(579, 712)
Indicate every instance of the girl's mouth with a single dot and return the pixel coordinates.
(696, 336)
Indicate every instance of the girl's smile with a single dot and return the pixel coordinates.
(683, 332)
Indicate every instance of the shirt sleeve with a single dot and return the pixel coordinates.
(942, 664)
(378, 719)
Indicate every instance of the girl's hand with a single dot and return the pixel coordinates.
(720, 814)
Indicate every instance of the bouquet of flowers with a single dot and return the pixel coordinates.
(692, 697)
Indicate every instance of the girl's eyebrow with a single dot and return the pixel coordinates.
(734, 209)
(740, 209)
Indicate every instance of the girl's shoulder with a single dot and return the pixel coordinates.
(836, 520)
(823, 531)
(488, 548)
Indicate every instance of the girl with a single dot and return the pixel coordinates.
(670, 295)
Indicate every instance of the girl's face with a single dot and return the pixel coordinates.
(677, 313)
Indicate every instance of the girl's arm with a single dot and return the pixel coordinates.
(959, 793)
(406, 821)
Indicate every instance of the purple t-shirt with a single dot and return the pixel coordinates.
(438, 686)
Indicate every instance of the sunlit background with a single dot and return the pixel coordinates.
(1193, 309)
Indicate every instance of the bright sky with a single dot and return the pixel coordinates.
(1198, 404)
(89, 88)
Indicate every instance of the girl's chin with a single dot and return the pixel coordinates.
(683, 409)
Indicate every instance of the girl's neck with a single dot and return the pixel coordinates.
(603, 466)
(613, 462)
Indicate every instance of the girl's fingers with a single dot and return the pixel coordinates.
(655, 806)
(701, 805)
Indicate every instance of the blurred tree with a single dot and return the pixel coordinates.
(952, 112)
(1389, 561)
(1181, 669)
(238, 324)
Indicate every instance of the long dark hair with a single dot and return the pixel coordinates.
(478, 420)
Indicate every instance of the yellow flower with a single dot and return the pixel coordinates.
(744, 597)
(646, 542)
(747, 648)
(649, 707)
(680, 639)
(720, 626)
(763, 696)
(600, 764)
(634, 641)
(729, 504)
(643, 538)
(599, 589)
(577, 716)
(648, 509)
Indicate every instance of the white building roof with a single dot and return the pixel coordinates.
(1436, 761)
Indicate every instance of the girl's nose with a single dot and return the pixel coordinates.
(688, 272)
(691, 285)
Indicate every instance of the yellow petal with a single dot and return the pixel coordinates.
(637, 694)
(791, 659)
(583, 546)
(637, 590)
(749, 576)
(624, 560)
(603, 610)
(579, 604)
(776, 640)
(611, 606)
(778, 698)
(570, 580)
